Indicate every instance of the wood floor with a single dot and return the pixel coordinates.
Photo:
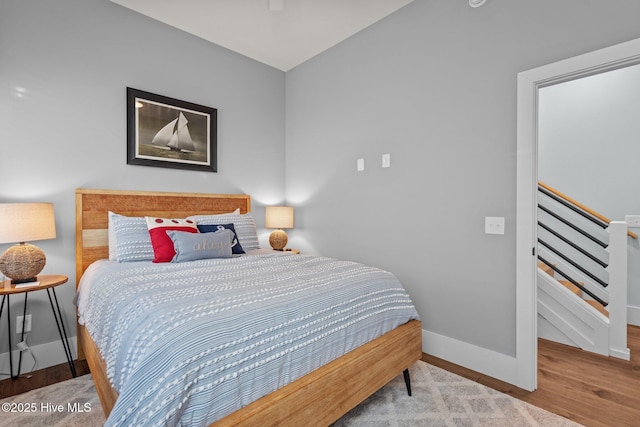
(593, 390)
(40, 378)
(590, 389)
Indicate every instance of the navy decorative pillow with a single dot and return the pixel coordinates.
(194, 246)
(212, 228)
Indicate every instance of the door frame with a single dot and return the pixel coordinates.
(529, 82)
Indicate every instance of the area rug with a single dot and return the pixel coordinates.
(440, 398)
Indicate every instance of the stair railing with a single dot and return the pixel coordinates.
(604, 221)
(569, 235)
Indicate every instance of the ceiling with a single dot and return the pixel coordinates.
(280, 33)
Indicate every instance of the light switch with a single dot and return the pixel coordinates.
(494, 225)
(360, 165)
(386, 160)
(632, 220)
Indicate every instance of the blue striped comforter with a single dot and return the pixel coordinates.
(186, 344)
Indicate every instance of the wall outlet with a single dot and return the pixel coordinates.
(27, 324)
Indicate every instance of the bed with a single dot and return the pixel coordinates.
(318, 397)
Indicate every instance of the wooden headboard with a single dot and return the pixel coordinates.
(92, 206)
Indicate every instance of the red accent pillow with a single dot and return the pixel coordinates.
(162, 244)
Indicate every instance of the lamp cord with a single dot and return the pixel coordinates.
(33, 356)
(35, 361)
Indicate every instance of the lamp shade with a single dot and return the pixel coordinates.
(26, 222)
(279, 217)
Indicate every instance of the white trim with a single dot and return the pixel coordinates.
(479, 359)
(47, 354)
(618, 283)
(622, 353)
(529, 82)
(633, 315)
(526, 237)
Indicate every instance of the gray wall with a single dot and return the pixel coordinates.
(434, 85)
(589, 148)
(64, 67)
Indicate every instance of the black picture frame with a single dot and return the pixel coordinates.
(169, 133)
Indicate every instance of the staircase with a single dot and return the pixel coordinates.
(582, 276)
(574, 289)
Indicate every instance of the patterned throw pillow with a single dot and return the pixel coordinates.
(194, 246)
(162, 244)
(212, 228)
(129, 239)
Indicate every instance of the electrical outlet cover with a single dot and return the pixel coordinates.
(27, 324)
(386, 160)
(632, 220)
(494, 225)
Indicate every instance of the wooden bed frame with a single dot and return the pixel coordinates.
(320, 397)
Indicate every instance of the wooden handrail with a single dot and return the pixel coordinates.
(581, 206)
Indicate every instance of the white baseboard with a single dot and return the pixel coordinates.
(633, 315)
(47, 354)
(479, 359)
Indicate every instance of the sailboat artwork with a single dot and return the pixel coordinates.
(170, 133)
(175, 135)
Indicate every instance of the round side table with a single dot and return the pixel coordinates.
(46, 282)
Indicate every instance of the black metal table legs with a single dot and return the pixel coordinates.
(57, 315)
(9, 333)
(61, 330)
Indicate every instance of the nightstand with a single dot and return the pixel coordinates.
(46, 282)
(288, 251)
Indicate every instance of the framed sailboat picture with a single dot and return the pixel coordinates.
(170, 133)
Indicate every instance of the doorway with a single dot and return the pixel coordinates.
(529, 84)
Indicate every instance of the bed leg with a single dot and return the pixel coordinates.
(407, 380)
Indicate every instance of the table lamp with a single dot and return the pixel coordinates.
(24, 222)
(279, 217)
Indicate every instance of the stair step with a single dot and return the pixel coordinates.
(595, 304)
(573, 288)
(546, 268)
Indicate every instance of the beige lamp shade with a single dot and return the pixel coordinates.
(21, 223)
(279, 217)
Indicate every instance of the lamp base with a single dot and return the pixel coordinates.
(278, 239)
(22, 263)
(29, 280)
